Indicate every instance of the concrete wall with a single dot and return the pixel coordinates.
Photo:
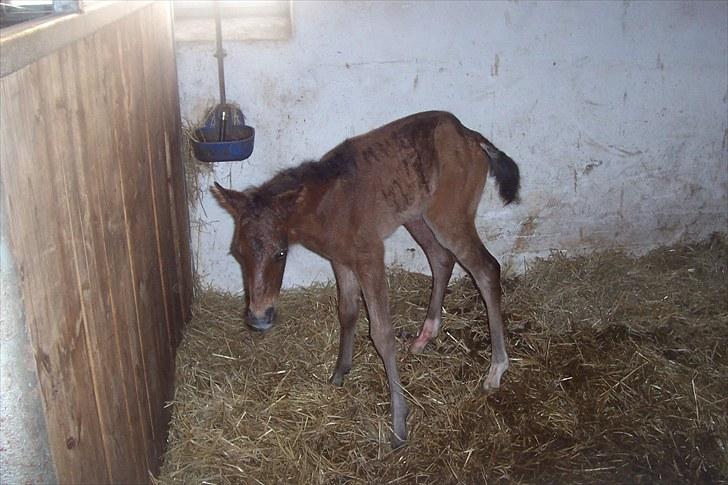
(24, 452)
(615, 112)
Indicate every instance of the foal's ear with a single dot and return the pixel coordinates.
(233, 201)
(290, 198)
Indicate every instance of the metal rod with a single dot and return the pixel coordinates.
(220, 54)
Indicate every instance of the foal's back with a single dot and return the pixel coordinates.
(401, 168)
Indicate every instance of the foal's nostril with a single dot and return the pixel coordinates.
(261, 323)
(270, 314)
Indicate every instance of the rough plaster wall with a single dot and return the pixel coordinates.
(615, 112)
(24, 453)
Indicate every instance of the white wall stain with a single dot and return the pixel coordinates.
(495, 66)
(634, 85)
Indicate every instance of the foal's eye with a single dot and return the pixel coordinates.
(280, 254)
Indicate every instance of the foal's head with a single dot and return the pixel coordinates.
(260, 245)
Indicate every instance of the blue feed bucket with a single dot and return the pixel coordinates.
(224, 136)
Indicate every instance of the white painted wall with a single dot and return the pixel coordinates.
(616, 113)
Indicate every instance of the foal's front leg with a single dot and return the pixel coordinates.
(348, 289)
(374, 287)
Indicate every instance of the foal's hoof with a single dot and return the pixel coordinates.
(397, 442)
(417, 346)
(337, 379)
(494, 376)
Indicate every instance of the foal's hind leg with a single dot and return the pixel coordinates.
(441, 263)
(348, 289)
(463, 240)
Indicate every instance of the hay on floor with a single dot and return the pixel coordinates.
(618, 374)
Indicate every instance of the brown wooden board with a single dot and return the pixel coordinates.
(133, 166)
(41, 242)
(107, 348)
(101, 188)
(155, 112)
(176, 186)
(92, 185)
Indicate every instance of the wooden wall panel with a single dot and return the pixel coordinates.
(45, 262)
(132, 164)
(175, 181)
(105, 182)
(106, 225)
(93, 290)
(93, 188)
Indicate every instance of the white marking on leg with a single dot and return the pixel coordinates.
(430, 329)
(494, 375)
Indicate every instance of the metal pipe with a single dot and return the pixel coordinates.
(220, 54)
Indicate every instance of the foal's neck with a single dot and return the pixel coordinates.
(301, 215)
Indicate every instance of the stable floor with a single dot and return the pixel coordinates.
(618, 374)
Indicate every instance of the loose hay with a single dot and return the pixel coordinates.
(618, 374)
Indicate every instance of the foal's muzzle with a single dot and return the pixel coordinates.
(262, 323)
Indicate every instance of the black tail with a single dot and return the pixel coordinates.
(505, 171)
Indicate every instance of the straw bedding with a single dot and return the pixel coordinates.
(618, 374)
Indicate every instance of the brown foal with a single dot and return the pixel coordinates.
(427, 172)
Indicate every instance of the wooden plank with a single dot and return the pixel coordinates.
(139, 221)
(176, 186)
(104, 242)
(40, 242)
(156, 113)
(179, 223)
(172, 187)
(101, 336)
(94, 191)
(110, 92)
(25, 43)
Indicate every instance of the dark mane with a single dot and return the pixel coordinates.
(337, 163)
